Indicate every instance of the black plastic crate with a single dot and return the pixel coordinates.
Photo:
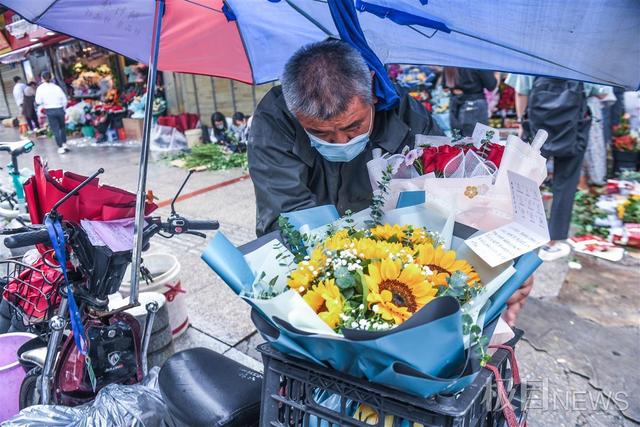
(290, 387)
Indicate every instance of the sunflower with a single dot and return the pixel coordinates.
(387, 232)
(307, 271)
(326, 300)
(300, 279)
(395, 292)
(421, 237)
(443, 264)
(369, 249)
(317, 258)
(339, 240)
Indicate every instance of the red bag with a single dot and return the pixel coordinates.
(94, 202)
(181, 122)
(34, 291)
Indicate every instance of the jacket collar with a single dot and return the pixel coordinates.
(389, 133)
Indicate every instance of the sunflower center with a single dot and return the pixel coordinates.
(438, 268)
(401, 295)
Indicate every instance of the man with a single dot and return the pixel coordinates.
(18, 92)
(560, 107)
(50, 96)
(311, 138)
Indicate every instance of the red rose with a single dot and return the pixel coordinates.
(445, 154)
(434, 159)
(495, 154)
(428, 159)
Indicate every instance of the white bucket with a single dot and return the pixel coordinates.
(140, 312)
(194, 137)
(165, 270)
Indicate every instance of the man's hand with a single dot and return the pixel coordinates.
(516, 302)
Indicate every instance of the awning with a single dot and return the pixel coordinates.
(18, 55)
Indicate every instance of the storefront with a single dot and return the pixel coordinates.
(27, 55)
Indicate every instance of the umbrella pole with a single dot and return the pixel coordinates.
(144, 155)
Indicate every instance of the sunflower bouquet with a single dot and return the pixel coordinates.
(394, 296)
(376, 278)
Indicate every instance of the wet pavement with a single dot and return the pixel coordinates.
(582, 327)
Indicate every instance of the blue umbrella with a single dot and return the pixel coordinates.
(589, 40)
(586, 40)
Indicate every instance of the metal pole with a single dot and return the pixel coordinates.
(144, 155)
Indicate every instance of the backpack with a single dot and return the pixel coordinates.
(559, 107)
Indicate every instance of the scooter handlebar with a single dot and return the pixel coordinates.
(203, 225)
(28, 238)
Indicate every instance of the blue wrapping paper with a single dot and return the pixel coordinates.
(313, 217)
(525, 266)
(229, 263)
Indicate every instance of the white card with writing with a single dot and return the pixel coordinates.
(527, 231)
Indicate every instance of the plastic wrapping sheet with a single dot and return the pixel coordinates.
(115, 405)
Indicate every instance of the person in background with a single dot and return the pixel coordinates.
(239, 127)
(612, 113)
(219, 128)
(18, 92)
(560, 107)
(29, 106)
(468, 104)
(53, 99)
(594, 166)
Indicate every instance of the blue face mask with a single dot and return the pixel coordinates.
(341, 152)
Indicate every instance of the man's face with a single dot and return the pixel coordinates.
(355, 121)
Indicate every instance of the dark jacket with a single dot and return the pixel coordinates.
(289, 174)
(472, 82)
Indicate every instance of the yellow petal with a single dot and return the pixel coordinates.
(390, 270)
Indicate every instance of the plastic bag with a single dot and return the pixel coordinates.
(167, 138)
(115, 405)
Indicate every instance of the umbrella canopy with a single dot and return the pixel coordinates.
(589, 40)
(196, 35)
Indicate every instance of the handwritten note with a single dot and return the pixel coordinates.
(116, 234)
(527, 231)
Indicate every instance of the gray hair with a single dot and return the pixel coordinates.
(321, 79)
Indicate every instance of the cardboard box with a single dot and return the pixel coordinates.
(133, 128)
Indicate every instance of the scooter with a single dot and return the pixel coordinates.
(61, 368)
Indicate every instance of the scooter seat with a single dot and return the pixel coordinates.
(203, 388)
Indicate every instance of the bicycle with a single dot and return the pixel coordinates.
(12, 203)
(82, 345)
